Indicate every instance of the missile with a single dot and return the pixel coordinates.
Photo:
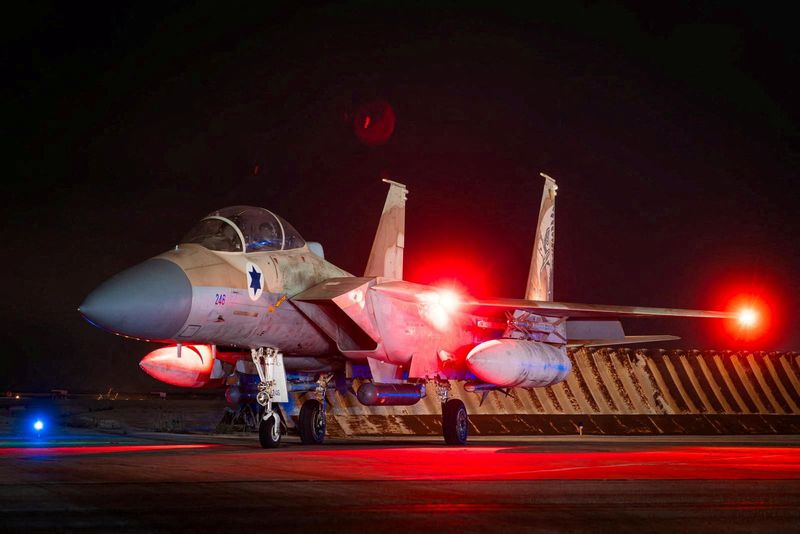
(194, 366)
(519, 363)
(373, 394)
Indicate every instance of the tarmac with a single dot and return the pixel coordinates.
(157, 482)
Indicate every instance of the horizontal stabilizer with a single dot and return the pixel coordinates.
(594, 329)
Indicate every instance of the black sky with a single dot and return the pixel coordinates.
(672, 132)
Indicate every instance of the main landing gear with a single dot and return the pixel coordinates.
(312, 415)
(455, 423)
(312, 422)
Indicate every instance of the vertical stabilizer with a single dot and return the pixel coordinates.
(540, 277)
(386, 257)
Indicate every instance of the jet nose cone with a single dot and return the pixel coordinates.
(149, 301)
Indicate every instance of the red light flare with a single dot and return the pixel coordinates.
(754, 317)
(374, 122)
(455, 270)
(758, 322)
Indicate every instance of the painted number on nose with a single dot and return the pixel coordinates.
(219, 299)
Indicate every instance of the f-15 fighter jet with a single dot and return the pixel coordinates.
(245, 302)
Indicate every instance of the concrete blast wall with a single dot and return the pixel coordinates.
(616, 391)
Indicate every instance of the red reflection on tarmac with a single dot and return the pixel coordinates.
(95, 449)
(518, 463)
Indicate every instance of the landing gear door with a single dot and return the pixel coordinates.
(280, 393)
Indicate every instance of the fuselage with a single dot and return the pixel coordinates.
(244, 278)
(227, 310)
(244, 300)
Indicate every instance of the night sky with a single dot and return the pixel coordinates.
(672, 133)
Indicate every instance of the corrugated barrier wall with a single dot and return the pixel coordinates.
(615, 391)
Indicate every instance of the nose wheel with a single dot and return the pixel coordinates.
(312, 422)
(455, 423)
(269, 432)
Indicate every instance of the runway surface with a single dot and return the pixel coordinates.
(158, 482)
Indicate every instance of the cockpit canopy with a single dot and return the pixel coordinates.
(247, 228)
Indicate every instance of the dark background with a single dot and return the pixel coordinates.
(672, 132)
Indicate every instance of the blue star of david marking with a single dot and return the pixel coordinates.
(255, 280)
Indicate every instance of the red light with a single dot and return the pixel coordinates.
(752, 318)
(438, 305)
(748, 317)
(461, 271)
(757, 302)
(449, 300)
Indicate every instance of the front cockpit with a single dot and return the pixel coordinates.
(244, 228)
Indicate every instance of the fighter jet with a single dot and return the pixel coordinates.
(244, 302)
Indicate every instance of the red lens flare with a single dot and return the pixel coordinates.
(748, 317)
(438, 305)
(753, 317)
(453, 270)
(757, 301)
(374, 122)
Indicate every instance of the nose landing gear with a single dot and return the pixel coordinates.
(269, 431)
(271, 388)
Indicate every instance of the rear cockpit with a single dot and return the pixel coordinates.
(244, 228)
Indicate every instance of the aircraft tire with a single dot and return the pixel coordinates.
(269, 432)
(455, 422)
(312, 423)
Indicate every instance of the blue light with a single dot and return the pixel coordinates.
(38, 425)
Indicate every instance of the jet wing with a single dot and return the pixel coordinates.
(589, 311)
(625, 340)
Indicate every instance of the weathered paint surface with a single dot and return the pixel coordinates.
(386, 256)
(614, 391)
(238, 319)
(540, 275)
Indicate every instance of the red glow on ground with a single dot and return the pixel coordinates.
(440, 463)
(95, 449)
(518, 463)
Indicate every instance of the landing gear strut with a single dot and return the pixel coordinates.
(455, 423)
(272, 388)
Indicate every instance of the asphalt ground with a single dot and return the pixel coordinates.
(168, 482)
